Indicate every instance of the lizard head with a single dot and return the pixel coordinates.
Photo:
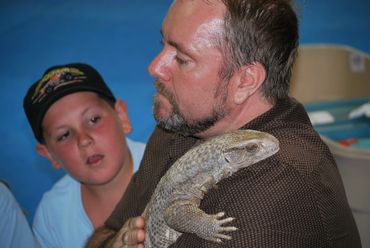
(246, 147)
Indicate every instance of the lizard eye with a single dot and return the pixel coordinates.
(251, 147)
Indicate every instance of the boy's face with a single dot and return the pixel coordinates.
(85, 135)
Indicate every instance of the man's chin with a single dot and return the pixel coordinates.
(172, 123)
(173, 129)
(162, 110)
(161, 116)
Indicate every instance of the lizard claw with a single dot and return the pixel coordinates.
(219, 237)
(216, 235)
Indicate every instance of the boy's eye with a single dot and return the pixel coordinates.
(63, 136)
(95, 119)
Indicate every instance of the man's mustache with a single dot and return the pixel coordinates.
(159, 86)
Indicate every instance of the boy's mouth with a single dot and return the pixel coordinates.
(94, 159)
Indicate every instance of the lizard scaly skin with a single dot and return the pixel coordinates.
(174, 205)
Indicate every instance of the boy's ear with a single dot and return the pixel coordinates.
(247, 80)
(122, 111)
(43, 151)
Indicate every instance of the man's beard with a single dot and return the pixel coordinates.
(176, 122)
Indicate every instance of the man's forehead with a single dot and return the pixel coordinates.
(191, 5)
(205, 1)
(195, 11)
(213, 26)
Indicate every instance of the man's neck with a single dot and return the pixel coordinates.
(238, 116)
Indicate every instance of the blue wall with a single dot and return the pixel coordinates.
(336, 21)
(118, 37)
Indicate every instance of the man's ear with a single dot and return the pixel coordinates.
(248, 79)
(44, 151)
(122, 111)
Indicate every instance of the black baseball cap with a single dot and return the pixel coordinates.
(57, 82)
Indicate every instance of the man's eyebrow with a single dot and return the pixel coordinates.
(181, 48)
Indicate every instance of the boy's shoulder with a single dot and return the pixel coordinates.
(60, 218)
(63, 190)
(135, 145)
(137, 151)
(64, 184)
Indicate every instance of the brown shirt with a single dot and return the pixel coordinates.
(292, 199)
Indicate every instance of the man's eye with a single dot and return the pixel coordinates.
(62, 137)
(181, 61)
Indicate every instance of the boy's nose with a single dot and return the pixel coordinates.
(85, 140)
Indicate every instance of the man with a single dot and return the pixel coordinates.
(226, 65)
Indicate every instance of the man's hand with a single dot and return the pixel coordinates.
(131, 235)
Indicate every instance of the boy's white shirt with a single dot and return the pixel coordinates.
(60, 219)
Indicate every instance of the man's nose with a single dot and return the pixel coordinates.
(160, 67)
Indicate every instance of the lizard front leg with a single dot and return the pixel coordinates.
(185, 216)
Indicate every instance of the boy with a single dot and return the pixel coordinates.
(80, 127)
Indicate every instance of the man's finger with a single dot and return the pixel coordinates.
(133, 232)
(136, 223)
